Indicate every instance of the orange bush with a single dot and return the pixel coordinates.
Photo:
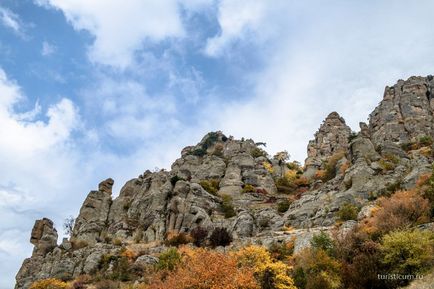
(49, 284)
(205, 269)
(402, 210)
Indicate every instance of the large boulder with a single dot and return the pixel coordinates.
(43, 237)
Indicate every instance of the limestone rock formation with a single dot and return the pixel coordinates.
(331, 138)
(406, 112)
(43, 237)
(234, 184)
(92, 219)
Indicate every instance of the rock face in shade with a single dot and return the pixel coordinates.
(332, 137)
(406, 112)
(156, 204)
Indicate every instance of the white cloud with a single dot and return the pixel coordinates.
(121, 28)
(236, 18)
(324, 58)
(48, 48)
(11, 20)
(36, 165)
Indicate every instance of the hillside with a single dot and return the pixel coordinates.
(333, 222)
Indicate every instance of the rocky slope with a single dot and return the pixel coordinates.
(223, 182)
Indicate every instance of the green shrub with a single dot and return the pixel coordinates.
(389, 162)
(352, 136)
(285, 186)
(168, 260)
(220, 237)
(258, 152)
(425, 140)
(227, 206)
(175, 179)
(211, 138)
(322, 241)
(211, 186)
(283, 206)
(348, 212)
(200, 152)
(248, 189)
(408, 252)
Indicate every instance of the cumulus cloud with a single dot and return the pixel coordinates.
(120, 29)
(335, 57)
(236, 19)
(36, 166)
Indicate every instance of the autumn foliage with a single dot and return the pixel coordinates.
(402, 210)
(202, 268)
(49, 284)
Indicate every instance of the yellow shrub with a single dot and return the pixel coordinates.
(291, 175)
(49, 284)
(268, 167)
(267, 270)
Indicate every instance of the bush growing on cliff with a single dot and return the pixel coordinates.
(402, 210)
(248, 189)
(199, 236)
(283, 206)
(258, 152)
(220, 237)
(50, 283)
(348, 212)
(175, 179)
(177, 239)
(211, 186)
(227, 206)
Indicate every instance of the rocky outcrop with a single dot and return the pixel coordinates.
(224, 182)
(331, 138)
(43, 237)
(92, 219)
(406, 112)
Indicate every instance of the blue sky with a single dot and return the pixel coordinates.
(97, 89)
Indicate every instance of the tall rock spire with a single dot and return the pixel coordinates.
(331, 137)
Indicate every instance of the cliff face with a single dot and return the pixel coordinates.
(223, 182)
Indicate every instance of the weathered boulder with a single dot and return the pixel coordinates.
(43, 237)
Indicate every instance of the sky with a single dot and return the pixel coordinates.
(105, 88)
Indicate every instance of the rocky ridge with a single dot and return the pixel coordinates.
(342, 167)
